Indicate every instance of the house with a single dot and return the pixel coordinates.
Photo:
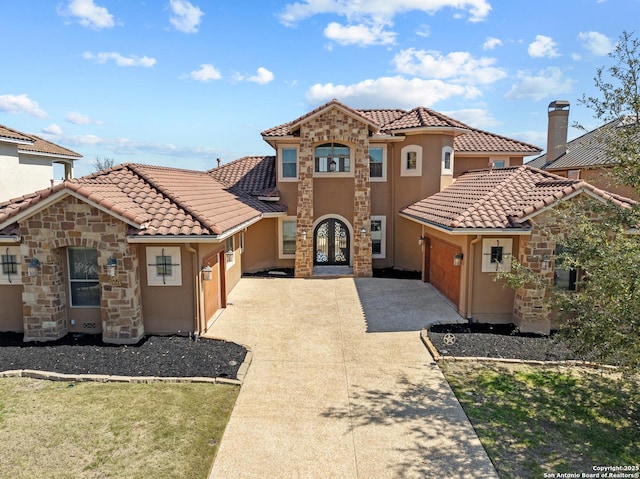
(583, 158)
(26, 162)
(139, 249)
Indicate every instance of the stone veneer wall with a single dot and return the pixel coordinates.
(71, 222)
(530, 312)
(334, 126)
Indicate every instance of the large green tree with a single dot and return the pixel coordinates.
(601, 319)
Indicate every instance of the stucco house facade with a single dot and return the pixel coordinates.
(26, 163)
(139, 249)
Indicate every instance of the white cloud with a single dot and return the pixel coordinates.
(186, 17)
(121, 61)
(262, 77)
(543, 46)
(597, 43)
(460, 67)
(206, 73)
(80, 119)
(425, 31)
(543, 84)
(16, 104)
(88, 13)
(52, 129)
(361, 35)
(388, 92)
(491, 43)
(379, 9)
(476, 117)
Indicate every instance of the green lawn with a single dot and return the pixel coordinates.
(120, 430)
(536, 420)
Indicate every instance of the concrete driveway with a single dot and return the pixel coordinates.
(341, 385)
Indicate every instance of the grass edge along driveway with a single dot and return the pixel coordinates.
(536, 420)
(121, 430)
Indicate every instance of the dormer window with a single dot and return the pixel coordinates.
(332, 158)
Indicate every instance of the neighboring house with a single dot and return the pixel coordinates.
(582, 158)
(474, 227)
(26, 163)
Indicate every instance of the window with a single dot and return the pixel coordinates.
(378, 236)
(447, 161)
(499, 162)
(10, 267)
(496, 254)
(287, 234)
(83, 277)
(411, 160)
(564, 278)
(164, 266)
(332, 158)
(378, 163)
(573, 174)
(288, 163)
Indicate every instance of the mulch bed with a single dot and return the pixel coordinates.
(163, 356)
(497, 341)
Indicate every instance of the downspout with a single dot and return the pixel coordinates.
(196, 289)
(472, 269)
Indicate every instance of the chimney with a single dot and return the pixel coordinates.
(557, 130)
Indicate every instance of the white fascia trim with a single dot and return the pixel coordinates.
(57, 197)
(10, 239)
(15, 141)
(274, 214)
(568, 197)
(269, 198)
(470, 231)
(48, 155)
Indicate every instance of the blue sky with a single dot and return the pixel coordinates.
(181, 83)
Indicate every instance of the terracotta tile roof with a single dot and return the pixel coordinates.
(588, 150)
(6, 132)
(37, 144)
(499, 199)
(157, 200)
(396, 120)
(254, 175)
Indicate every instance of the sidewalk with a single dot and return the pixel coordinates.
(334, 394)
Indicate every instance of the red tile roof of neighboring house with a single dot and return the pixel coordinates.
(389, 121)
(255, 175)
(499, 199)
(37, 145)
(156, 201)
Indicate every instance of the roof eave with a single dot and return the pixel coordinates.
(12, 239)
(468, 231)
(15, 141)
(49, 155)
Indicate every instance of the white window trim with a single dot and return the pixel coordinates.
(14, 278)
(382, 178)
(383, 236)
(281, 254)
(282, 178)
(404, 171)
(241, 239)
(447, 171)
(507, 252)
(154, 279)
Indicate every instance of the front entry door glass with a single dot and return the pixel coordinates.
(331, 243)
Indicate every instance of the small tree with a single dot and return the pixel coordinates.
(103, 163)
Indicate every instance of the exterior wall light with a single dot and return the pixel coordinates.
(112, 263)
(33, 267)
(229, 256)
(304, 235)
(363, 231)
(420, 240)
(545, 262)
(207, 273)
(457, 259)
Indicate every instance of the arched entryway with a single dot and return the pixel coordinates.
(331, 243)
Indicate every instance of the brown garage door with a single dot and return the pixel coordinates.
(442, 273)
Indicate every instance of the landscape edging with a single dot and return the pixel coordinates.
(424, 336)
